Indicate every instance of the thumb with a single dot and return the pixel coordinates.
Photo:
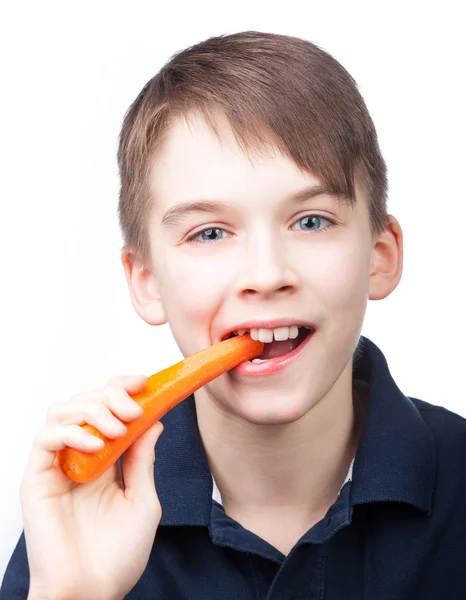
(138, 466)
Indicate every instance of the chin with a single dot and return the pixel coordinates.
(269, 412)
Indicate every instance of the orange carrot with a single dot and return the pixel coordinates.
(163, 391)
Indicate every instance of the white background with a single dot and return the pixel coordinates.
(68, 73)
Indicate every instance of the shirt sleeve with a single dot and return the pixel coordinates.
(15, 584)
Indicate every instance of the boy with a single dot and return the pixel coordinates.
(253, 197)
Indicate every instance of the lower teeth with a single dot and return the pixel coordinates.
(257, 360)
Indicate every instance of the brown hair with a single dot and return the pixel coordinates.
(276, 91)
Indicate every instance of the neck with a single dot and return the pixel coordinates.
(300, 465)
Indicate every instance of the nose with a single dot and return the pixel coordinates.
(266, 269)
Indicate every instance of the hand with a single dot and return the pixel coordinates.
(90, 540)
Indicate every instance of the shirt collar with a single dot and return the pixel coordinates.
(396, 456)
(395, 460)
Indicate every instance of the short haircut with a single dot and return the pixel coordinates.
(276, 91)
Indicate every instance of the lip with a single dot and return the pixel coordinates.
(268, 324)
(273, 365)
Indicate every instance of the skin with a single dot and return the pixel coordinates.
(279, 446)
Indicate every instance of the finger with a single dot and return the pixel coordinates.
(121, 404)
(130, 383)
(138, 466)
(93, 413)
(51, 439)
(60, 410)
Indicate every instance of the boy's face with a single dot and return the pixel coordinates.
(261, 258)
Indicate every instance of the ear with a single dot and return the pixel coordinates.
(143, 290)
(386, 261)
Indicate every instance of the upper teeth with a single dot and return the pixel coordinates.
(266, 336)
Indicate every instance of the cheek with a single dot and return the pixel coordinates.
(343, 288)
(192, 291)
(343, 275)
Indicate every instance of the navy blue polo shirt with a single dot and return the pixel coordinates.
(397, 530)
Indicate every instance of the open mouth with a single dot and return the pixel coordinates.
(289, 339)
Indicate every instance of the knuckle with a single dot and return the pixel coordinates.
(95, 412)
(122, 403)
(121, 380)
(74, 430)
(115, 380)
(56, 413)
(114, 394)
(40, 437)
(117, 399)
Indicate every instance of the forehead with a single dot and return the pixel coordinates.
(194, 162)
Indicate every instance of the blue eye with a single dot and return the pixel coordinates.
(207, 235)
(313, 222)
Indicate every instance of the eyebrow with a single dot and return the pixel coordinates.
(177, 213)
